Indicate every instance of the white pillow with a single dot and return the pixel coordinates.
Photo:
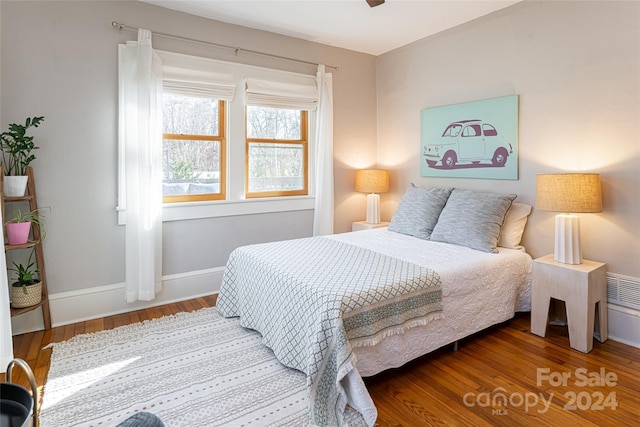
(514, 223)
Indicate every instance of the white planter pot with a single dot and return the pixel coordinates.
(15, 186)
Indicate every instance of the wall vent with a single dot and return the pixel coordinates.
(623, 290)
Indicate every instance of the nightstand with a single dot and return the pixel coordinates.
(583, 288)
(364, 225)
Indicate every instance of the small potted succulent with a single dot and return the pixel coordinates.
(27, 289)
(19, 226)
(17, 147)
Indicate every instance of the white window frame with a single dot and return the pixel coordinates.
(176, 64)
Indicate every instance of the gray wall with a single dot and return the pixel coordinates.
(59, 60)
(575, 65)
(576, 68)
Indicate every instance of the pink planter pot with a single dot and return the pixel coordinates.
(18, 232)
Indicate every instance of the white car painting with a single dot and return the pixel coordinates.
(470, 142)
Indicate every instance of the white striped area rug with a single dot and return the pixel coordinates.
(190, 369)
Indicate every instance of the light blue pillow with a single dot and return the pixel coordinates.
(473, 219)
(419, 210)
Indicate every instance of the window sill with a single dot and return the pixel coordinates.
(222, 208)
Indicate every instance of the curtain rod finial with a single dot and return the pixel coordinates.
(117, 25)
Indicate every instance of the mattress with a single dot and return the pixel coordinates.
(479, 290)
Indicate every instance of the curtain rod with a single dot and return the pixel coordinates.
(236, 49)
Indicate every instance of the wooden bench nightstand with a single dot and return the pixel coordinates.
(583, 288)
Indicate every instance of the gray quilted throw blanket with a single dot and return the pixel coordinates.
(314, 299)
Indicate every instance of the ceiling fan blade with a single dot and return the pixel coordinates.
(374, 3)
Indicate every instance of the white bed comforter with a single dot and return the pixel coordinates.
(479, 290)
(462, 270)
(313, 299)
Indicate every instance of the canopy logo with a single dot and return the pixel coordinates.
(500, 401)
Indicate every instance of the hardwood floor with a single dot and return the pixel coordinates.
(504, 376)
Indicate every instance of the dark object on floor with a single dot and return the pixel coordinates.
(16, 404)
(142, 419)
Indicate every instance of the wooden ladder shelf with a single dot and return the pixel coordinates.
(36, 244)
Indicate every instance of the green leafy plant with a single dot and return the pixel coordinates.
(34, 217)
(17, 147)
(25, 274)
(183, 170)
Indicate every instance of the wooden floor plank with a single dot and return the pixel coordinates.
(444, 388)
(94, 325)
(134, 317)
(143, 315)
(184, 306)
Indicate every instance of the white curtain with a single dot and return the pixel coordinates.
(323, 216)
(141, 145)
(6, 338)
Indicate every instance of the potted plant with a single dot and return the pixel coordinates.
(17, 154)
(19, 226)
(27, 289)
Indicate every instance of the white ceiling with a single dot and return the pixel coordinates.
(349, 24)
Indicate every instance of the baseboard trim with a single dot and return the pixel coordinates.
(102, 301)
(624, 324)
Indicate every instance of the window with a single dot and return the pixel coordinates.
(452, 130)
(489, 130)
(276, 152)
(277, 132)
(193, 148)
(205, 149)
(471, 130)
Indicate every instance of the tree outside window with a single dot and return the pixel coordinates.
(277, 158)
(193, 150)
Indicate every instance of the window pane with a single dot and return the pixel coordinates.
(190, 167)
(187, 115)
(273, 123)
(275, 167)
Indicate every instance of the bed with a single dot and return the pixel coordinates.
(350, 305)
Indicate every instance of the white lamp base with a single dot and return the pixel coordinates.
(567, 245)
(373, 208)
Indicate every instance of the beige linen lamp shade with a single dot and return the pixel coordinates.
(372, 181)
(569, 193)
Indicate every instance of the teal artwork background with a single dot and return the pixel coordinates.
(501, 113)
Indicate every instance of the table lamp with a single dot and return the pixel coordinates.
(372, 181)
(569, 193)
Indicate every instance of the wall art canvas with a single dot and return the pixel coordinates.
(472, 140)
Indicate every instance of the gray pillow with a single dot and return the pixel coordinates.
(418, 211)
(473, 219)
